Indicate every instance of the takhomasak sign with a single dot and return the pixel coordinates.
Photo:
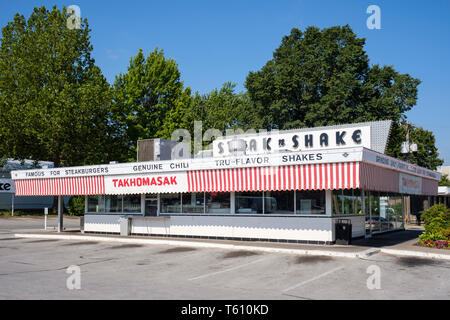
(146, 183)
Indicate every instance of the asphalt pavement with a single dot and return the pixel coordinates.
(44, 269)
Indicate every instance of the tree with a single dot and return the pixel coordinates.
(323, 77)
(445, 182)
(427, 153)
(221, 110)
(54, 101)
(150, 99)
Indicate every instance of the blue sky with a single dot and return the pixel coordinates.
(218, 41)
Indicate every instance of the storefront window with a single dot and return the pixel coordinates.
(376, 220)
(346, 201)
(170, 203)
(386, 212)
(249, 202)
(279, 202)
(113, 203)
(193, 202)
(217, 202)
(95, 204)
(394, 210)
(132, 204)
(310, 202)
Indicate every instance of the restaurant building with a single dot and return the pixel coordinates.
(289, 186)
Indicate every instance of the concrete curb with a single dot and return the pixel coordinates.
(420, 254)
(199, 245)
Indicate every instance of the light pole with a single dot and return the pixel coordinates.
(408, 147)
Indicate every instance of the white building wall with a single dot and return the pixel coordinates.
(102, 223)
(358, 225)
(233, 226)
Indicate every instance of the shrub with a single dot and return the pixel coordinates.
(437, 227)
(76, 206)
(438, 210)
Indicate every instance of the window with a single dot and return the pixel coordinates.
(170, 203)
(114, 204)
(310, 202)
(217, 202)
(95, 204)
(346, 201)
(249, 202)
(193, 202)
(132, 204)
(386, 212)
(279, 202)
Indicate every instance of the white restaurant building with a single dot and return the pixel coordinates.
(288, 186)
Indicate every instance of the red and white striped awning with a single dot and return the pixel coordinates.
(61, 186)
(297, 177)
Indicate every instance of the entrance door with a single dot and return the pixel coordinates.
(151, 206)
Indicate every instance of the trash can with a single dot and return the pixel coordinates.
(343, 231)
(124, 226)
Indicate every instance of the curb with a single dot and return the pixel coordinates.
(420, 254)
(201, 245)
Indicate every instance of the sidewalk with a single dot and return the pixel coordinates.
(401, 243)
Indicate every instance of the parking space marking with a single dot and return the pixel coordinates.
(312, 279)
(227, 270)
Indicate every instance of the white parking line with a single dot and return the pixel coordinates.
(312, 279)
(226, 270)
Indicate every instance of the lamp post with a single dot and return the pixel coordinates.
(408, 147)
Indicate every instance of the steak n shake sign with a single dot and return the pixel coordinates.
(293, 141)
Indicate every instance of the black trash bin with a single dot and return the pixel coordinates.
(343, 231)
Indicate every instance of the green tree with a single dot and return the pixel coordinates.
(445, 182)
(150, 100)
(427, 154)
(222, 110)
(54, 101)
(323, 77)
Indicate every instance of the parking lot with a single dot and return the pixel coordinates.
(37, 269)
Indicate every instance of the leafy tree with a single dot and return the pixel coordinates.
(54, 101)
(445, 182)
(150, 99)
(323, 77)
(221, 110)
(427, 152)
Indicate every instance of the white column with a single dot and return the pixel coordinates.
(328, 202)
(232, 203)
(143, 204)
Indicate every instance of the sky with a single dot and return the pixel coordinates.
(214, 42)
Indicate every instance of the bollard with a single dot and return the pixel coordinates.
(45, 218)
